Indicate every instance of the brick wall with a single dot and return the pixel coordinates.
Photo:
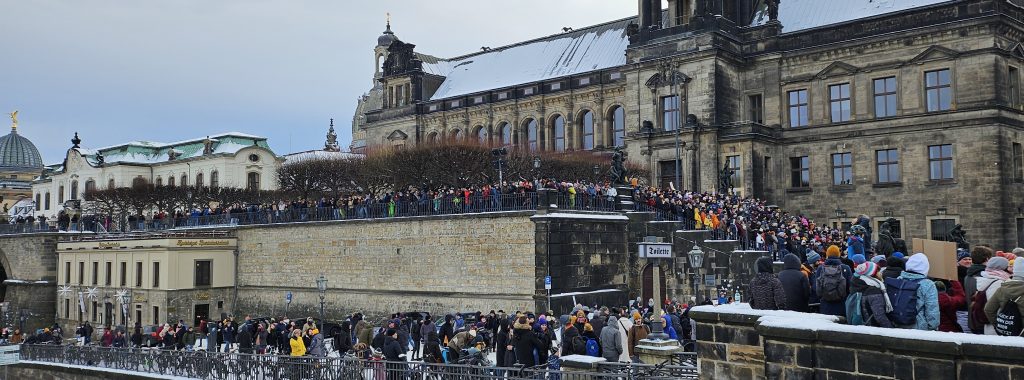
(435, 264)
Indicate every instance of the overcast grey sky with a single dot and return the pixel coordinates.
(117, 71)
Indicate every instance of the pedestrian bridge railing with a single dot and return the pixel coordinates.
(234, 366)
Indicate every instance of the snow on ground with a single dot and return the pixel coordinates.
(107, 370)
(935, 336)
(744, 309)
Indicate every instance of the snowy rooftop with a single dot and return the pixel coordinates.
(798, 15)
(318, 155)
(584, 50)
(149, 152)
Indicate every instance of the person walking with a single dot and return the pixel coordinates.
(766, 292)
(795, 284)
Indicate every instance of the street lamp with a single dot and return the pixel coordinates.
(696, 257)
(321, 285)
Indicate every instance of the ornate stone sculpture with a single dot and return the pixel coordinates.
(725, 180)
(959, 236)
(14, 119)
(331, 145)
(773, 10)
(618, 172)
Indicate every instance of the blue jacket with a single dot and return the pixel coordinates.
(837, 308)
(927, 302)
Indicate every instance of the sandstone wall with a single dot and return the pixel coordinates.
(435, 264)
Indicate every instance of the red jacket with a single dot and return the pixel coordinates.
(948, 303)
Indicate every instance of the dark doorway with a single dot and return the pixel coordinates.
(202, 312)
(647, 292)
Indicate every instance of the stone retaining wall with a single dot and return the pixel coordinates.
(736, 342)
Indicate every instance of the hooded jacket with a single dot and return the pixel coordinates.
(524, 343)
(795, 284)
(1011, 290)
(364, 332)
(949, 303)
(766, 291)
(927, 302)
(611, 340)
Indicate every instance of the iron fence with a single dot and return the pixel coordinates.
(234, 366)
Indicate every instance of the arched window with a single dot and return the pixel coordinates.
(110, 183)
(531, 134)
(456, 135)
(138, 182)
(214, 179)
(90, 185)
(46, 201)
(432, 138)
(170, 181)
(74, 190)
(184, 180)
(159, 181)
(506, 134)
(253, 181)
(481, 135)
(60, 194)
(587, 138)
(558, 138)
(618, 126)
(199, 180)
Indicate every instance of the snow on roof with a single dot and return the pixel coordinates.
(318, 155)
(806, 14)
(590, 49)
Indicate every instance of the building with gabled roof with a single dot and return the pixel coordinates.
(901, 109)
(231, 159)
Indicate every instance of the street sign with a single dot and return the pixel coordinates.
(655, 250)
(288, 297)
(709, 280)
(547, 282)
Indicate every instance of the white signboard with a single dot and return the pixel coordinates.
(656, 250)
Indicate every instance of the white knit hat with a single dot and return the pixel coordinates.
(918, 263)
(1018, 268)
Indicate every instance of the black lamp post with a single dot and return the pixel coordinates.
(321, 285)
(696, 257)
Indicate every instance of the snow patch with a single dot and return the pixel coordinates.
(562, 215)
(744, 309)
(807, 14)
(584, 293)
(934, 336)
(108, 370)
(583, 359)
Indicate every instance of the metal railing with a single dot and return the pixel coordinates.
(202, 365)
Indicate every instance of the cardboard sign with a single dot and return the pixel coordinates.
(941, 257)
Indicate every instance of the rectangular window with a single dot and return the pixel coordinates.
(528, 91)
(888, 165)
(940, 162)
(1018, 162)
(156, 275)
(478, 100)
(800, 168)
(502, 95)
(124, 274)
(584, 81)
(885, 97)
(842, 169)
(735, 162)
(67, 272)
(798, 116)
(941, 228)
(670, 112)
(555, 86)
(156, 315)
(138, 274)
(433, 107)
(756, 108)
(204, 273)
(1013, 85)
(839, 100)
(455, 103)
(67, 308)
(615, 75)
(895, 228)
(107, 278)
(939, 90)
(667, 170)
(81, 273)
(95, 312)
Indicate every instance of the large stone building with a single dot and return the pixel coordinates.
(903, 109)
(227, 160)
(20, 162)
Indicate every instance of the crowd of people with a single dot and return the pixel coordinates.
(895, 290)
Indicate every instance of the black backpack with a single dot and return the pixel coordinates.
(1008, 319)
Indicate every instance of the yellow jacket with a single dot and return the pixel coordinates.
(298, 347)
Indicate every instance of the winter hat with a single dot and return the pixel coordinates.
(918, 263)
(997, 263)
(858, 259)
(1018, 251)
(637, 317)
(1018, 269)
(962, 254)
(875, 259)
(812, 257)
(898, 255)
(833, 251)
(867, 269)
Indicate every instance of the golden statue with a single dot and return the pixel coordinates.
(14, 119)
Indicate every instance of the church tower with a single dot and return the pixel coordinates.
(380, 53)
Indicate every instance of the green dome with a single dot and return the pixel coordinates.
(19, 154)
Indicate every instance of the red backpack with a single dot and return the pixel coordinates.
(977, 313)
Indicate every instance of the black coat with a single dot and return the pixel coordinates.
(524, 342)
(795, 284)
(766, 291)
(393, 350)
(567, 335)
(245, 340)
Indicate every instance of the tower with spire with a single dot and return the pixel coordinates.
(381, 51)
(331, 145)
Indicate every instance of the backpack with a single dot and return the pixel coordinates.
(593, 349)
(831, 284)
(1008, 319)
(903, 294)
(579, 345)
(977, 313)
(854, 315)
